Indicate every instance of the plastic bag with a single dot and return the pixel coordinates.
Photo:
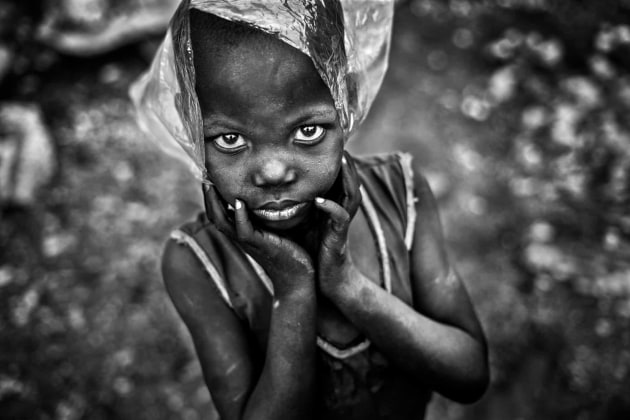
(348, 42)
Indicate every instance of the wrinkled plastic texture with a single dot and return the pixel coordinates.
(348, 42)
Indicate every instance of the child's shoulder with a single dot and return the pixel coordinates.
(179, 260)
(190, 250)
(197, 249)
(394, 169)
(397, 167)
(194, 227)
(393, 176)
(401, 190)
(200, 239)
(398, 162)
(388, 159)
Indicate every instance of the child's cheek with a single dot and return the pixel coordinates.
(228, 181)
(329, 172)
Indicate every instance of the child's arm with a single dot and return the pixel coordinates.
(439, 340)
(283, 389)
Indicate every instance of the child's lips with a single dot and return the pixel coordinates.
(278, 211)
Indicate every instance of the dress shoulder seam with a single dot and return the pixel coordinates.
(405, 160)
(184, 238)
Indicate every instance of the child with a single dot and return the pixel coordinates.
(315, 284)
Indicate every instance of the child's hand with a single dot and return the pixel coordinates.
(287, 264)
(335, 263)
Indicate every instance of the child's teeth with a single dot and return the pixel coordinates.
(275, 215)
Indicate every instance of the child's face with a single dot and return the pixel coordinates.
(272, 135)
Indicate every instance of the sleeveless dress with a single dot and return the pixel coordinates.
(356, 382)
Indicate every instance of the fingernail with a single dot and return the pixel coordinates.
(319, 200)
(343, 160)
(237, 204)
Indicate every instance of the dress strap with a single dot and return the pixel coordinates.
(407, 170)
(182, 237)
(368, 206)
(342, 353)
(262, 275)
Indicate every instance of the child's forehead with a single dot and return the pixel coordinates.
(223, 46)
(255, 71)
(253, 52)
(256, 98)
(212, 35)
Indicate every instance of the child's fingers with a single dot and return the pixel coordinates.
(254, 241)
(216, 211)
(244, 228)
(335, 236)
(339, 217)
(209, 199)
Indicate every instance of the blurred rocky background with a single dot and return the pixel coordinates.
(516, 110)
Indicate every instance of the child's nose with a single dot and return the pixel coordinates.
(274, 171)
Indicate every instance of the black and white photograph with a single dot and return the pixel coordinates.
(314, 210)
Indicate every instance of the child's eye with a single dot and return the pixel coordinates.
(230, 142)
(309, 133)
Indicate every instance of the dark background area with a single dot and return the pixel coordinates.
(515, 110)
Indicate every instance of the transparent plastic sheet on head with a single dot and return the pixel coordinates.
(347, 40)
